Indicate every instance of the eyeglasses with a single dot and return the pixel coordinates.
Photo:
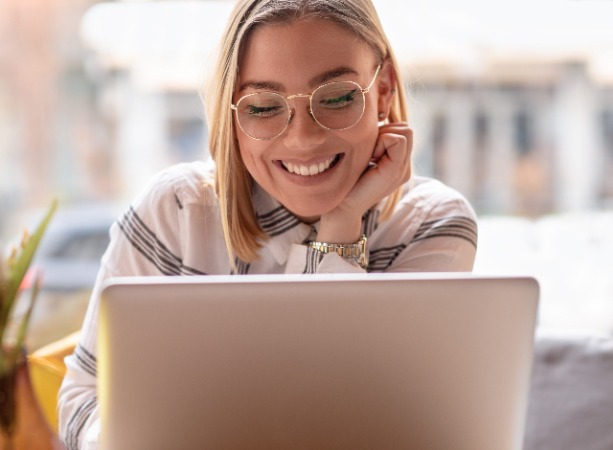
(337, 105)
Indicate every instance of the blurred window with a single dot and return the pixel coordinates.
(82, 246)
(607, 130)
(522, 128)
(481, 126)
(187, 138)
(481, 130)
(439, 138)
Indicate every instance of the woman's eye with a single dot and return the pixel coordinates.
(263, 111)
(339, 101)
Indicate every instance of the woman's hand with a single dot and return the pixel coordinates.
(392, 168)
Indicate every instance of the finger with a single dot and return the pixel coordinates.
(401, 128)
(397, 149)
(396, 127)
(395, 146)
(396, 163)
(393, 151)
(394, 124)
(405, 139)
(378, 151)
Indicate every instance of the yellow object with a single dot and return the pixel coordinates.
(47, 369)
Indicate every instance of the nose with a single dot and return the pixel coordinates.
(303, 132)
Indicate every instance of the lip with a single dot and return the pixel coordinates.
(309, 179)
(307, 162)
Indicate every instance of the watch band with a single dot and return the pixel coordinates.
(355, 251)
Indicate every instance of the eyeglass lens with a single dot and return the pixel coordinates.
(336, 106)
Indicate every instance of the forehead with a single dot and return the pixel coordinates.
(296, 52)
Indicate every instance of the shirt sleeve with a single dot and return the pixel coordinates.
(444, 240)
(143, 242)
(78, 412)
(444, 254)
(77, 401)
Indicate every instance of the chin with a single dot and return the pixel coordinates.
(311, 212)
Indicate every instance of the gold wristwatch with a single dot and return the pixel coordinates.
(355, 251)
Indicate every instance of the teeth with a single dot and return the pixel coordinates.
(313, 169)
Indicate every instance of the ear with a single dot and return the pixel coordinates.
(386, 87)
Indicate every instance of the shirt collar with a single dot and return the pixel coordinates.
(283, 227)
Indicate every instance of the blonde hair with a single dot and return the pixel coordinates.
(233, 182)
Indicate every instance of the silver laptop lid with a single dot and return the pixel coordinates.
(389, 361)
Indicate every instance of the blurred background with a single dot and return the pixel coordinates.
(511, 104)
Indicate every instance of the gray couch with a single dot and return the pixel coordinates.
(571, 396)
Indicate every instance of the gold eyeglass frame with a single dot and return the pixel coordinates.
(363, 91)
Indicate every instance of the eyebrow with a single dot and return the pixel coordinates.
(314, 82)
(332, 74)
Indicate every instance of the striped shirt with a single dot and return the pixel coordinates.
(174, 228)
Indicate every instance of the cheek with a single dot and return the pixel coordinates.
(252, 154)
(248, 148)
(365, 134)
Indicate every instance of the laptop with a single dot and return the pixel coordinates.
(343, 361)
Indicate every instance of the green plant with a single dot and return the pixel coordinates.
(12, 272)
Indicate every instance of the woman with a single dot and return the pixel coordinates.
(312, 173)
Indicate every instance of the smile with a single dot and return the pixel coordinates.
(311, 169)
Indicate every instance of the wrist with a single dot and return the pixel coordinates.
(355, 251)
(339, 229)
